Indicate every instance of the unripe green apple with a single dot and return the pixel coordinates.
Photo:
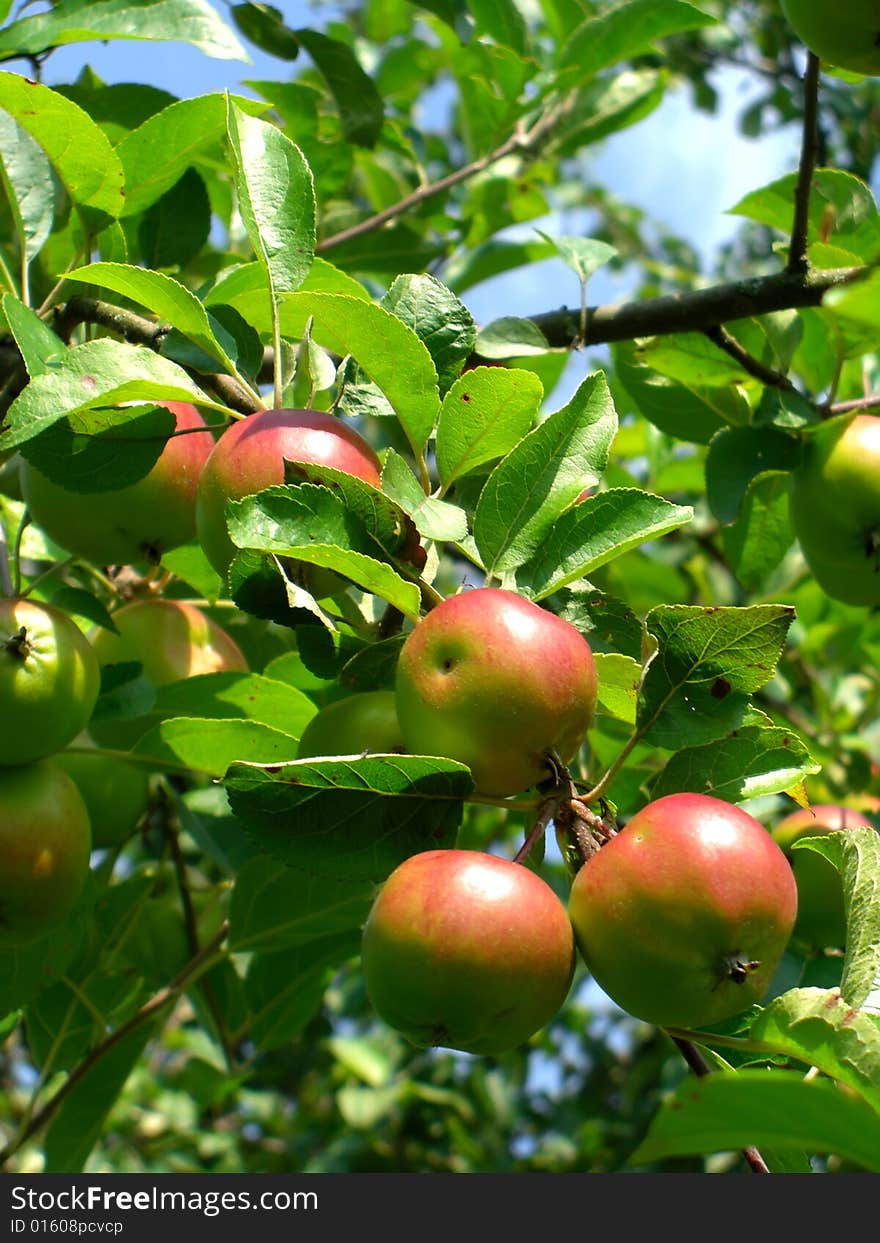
(116, 794)
(821, 913)
(250, 456)
(136, 523)
(45, 842)
(494, 681)
(835, 507)
(845, 33)
(49, 680)
(682, 918)
(171, 639)
(468, 951)
(356, 724)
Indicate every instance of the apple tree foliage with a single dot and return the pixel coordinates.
(311, 240)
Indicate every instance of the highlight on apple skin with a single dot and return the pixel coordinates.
(496, 682)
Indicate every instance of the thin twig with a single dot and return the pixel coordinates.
(797, 251)
(522, 141)
(753, 366)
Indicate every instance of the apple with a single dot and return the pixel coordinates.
(171, 639)
(846, 35)
(821, 916)
(494, 681)
(116, 794)
(352, 726)
(136, 523)
(45, 842)
(49, 680)
(467, 951)
(251, 456)
(682, 917)
(835, 507)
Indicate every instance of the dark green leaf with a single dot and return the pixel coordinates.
(275, 906)
(264, 25)
(438, 319)
(359, 103)
(626, 30)
(102, 449)
(176, 227)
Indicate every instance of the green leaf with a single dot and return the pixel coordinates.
(97, 373)
(439, 320)
(275, 906)
(167, 298)
(859, 302)
(264, 25)
(762, 535)
(276, 197)
(483, 416)
(157, 154)
(100, 450)
(248, 696)
(503, 21)
(687, 414)
(856, 855)
(79, 150)
(709, 660)
(757, 760)
(618, 678)
(352, 819)
(765, 1108)
(607, 105)
(77, 1125)
(816, 1026)
(736, 456)
(691, 359)
(359, 103)
(81, 21)
(584, 255)
(840, 206)
(285, 990)
(211, 746)
(526, 493)
(390, 352)
(25, 970)
(627, 30)
(595, 531)
(40, 348)
(26, 176)
(510, 337)
(174, 229)
(61, 1024)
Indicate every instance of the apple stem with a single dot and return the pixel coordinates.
(18, 644)
(537, 831)
(700, 1067)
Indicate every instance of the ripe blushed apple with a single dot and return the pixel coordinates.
(821, 916)
(835, 507)
(494, 681)
(359, 723)
(467, 951)
(171, 639)
(682, 918)
(136, 523)
(844, 34)
(250, 456)
(45, 842)
(49, 680)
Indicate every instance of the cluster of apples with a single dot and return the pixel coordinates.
(57, 800)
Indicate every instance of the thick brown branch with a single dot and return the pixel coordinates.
(695, 311)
